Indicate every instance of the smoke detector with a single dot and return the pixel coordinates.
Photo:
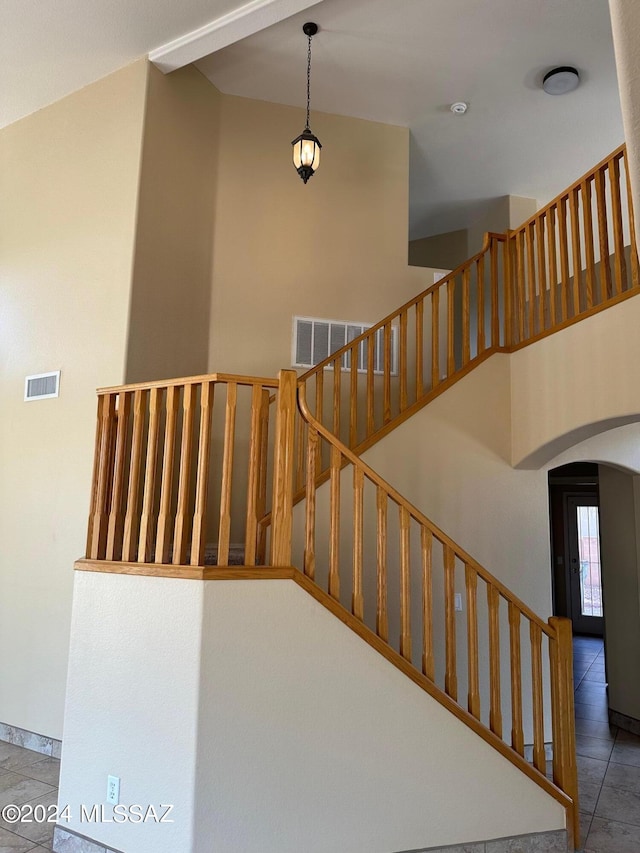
(561, 80)
(459, 108)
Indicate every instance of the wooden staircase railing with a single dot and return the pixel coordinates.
(379, 550)
(179, 480)
(167, 482)
(520, 287)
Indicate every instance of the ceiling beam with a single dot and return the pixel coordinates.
(242, 22)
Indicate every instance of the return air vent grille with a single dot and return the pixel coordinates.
(315, 339)
(41, 386)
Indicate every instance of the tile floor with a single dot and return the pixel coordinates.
(608, 772)
(608, 760)
(26, 777)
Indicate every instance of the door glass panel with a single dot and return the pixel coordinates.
(589, 555)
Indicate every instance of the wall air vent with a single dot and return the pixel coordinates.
(41, 386)
(315, 339)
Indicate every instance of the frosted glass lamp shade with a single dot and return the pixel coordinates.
(306, 154)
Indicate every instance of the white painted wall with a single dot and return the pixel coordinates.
(306, 738)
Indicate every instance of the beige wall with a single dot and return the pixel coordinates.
(68, 183)
(499, 214)
(620, 514)
(169, 325)
(443, 251)
(335, 248)
(574, 384)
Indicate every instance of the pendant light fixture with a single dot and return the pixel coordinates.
(306, 147)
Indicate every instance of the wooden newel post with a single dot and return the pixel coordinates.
(565, 773)
(508, 290)
(103, 457)
(283, 466)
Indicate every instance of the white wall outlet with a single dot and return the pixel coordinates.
(457, 600)
(113, 790)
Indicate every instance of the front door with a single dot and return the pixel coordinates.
(585, 576)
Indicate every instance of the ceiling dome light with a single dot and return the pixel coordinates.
(459, 108)
(561, 80)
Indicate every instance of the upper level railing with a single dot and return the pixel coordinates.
(574, 257)
(176, 473)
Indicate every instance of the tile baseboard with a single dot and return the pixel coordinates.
(555, 841)
(30, 740)
(622, 721)
(67, 841)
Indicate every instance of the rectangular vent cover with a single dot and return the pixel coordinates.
(41, 386)
(315, 339)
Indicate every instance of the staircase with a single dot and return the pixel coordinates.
(271, 477)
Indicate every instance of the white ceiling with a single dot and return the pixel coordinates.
(396, 61)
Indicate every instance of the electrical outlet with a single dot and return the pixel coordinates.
(113, 790)
(458, 600)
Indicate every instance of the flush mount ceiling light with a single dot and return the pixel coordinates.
(306, 147)
(459, 108)
(561, 80)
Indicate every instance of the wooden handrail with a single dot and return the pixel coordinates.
(556, 634)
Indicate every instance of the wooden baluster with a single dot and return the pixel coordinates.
(553, 265)
(635, 265)
(129, 541)
(587, 222)
(198, 534)
(94, 478)
(521, 285)
(337, 395)
(565, 771)
(282, 500)
(428, 663)
(495, 701)
(320, 396)
(495, 295)
(300, 447)
(419, 349)
(575, 245)
(542, 272)
(184, 478)
(99, 524)
(116, 517)
(405, 584)
(517, 733)
(450, 677)
(451, 353)
(466, 334)
(536, 687)
(471, 583)
(319, 411)
(353, 398)
(164, 514)
(435, 338)
(387, 373)
(310, 507)
(619, 260)
(334, 524)
(261, 551)
(480, 306)
(564, 260)
(531, 277)
(403, 369)
(357, 600)
(145, 539)
(224, 532)
(371, 360)
(253, 478)
(603, 236)
(382, 619)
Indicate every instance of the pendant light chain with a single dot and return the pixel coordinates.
(308, 79)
